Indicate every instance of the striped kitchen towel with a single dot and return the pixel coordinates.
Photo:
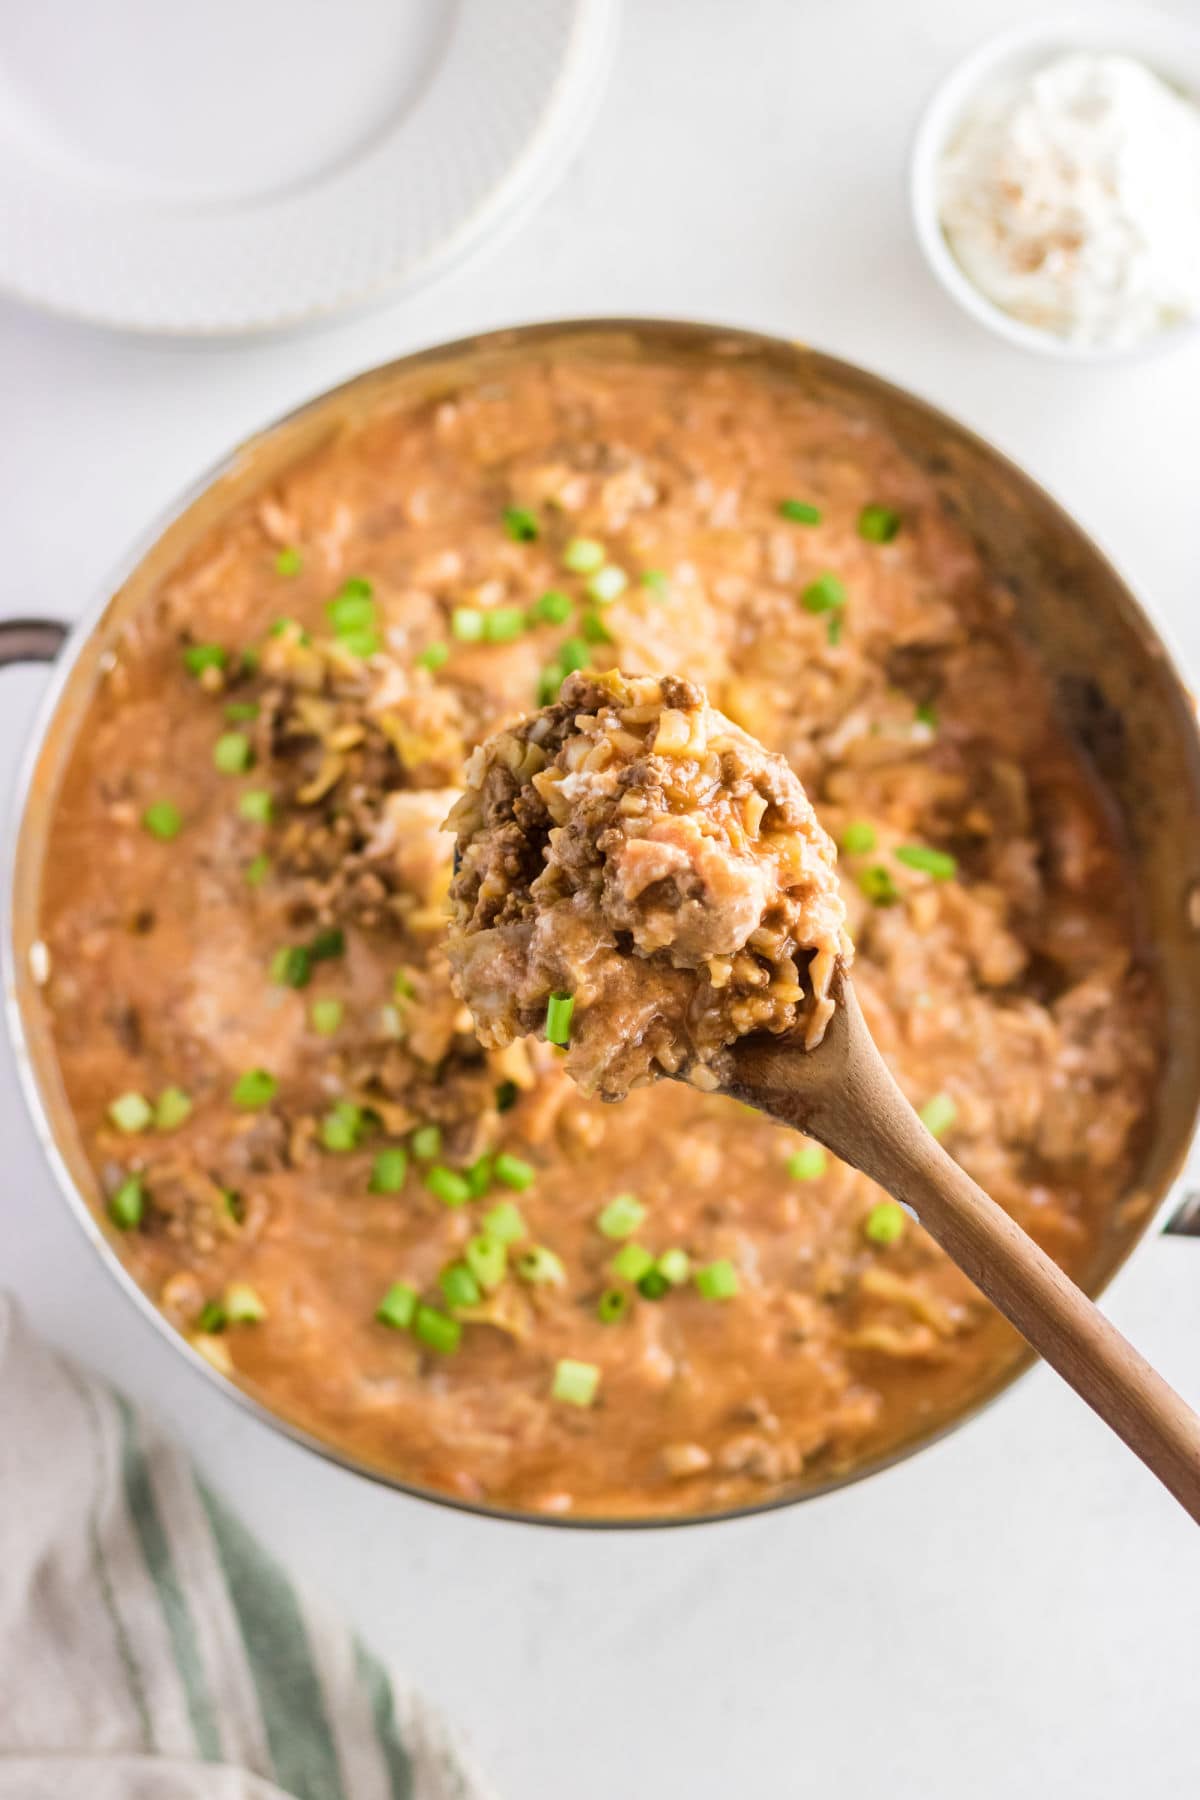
(150, 1649)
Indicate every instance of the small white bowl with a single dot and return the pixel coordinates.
(1168, 46)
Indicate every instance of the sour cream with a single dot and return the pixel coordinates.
(1071, 199)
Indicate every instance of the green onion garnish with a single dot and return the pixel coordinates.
(459, 1286)
(594, 630)
(254, 1089)
(675, 1266)
(807, 1164)
(398, 1306)
(171, 1109)
(402, 986)
(878, 886)
(256, 805)
(211, 1317)
(240, 712)
(541, 1267)
(575, 1382)
(388, 1171)
(291, 966)
(884, 1224)
(487, 1259)
(503, 624)
(551, 608)
(436, 1331)
(361, 643)
(127, 1207)
(613, 1304)
(621, 1217)
(573, 654)
(938, 1114)
(823, 595)
(479, 1176)
(800, 512)
(243, 1304)
(878, 524)
(583, 556)
(198, 657)
(329, 942)
(938, 863)
(289, 561)
(426, 1142)
(233, 753)
(434, 656)
(653, 1285)
(447, 1185)
(342, 1126)
(507, 1095)
(719, 1281)
(833, 630)
(163, 820)
(859, 838)
(325, 1016)
(520, 524)
(549, 681)
(631, 1262)
(656, 580)
(352, 610)
(607, 584)
(257, 870)
(468, 624)
(131, 1112)
(559, 1008)
(926, 714)
(505, 1224)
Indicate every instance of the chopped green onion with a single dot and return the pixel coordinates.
(520, 524)
(507, 1095)
(240, 712)
(402, 986)
(131, 1112)
(607, 584)
(878, 524)
(388, 1171)
(884, 1224)
(468, 624)
(362, 643)
(289, 561)
(329, 942)
(653, 1285)
(342, 1126)
(808, 1164)
(398, 1306)
(198, 657)
(552, 608)
(291, 966)
(621, 1217)
(479, 1176)
(573, 654)
(859, 838)
(541, 1267)
(426, 1142)
(248, 661)
(234, 1206)
(938, 863)
(127, 1208)
(163, 820)
(559, 1008)
(719, 1281)
(254, 1089)
(833, 630)
(656, 580)
(878, 886)
(926, 714)
(675, 1266)
(351, 611)
(257, 870)
(487, 1259)
(357, 587)
(447, 1185)
(434, 656)
(631, 1262)
(613, 1304)
(243, 1304)
(436, 1331)
(212, 1317)
(233, 753)
(800, 512)
(256, 805)
(938, 1114)
(823, 595)
(549, 681)
(594, 629)
(325, 1016)
(282, 627)
(459, 1286)
(576, 1383)
(583, 556)
(505, 1224)
(172, 1108)
(503, 624)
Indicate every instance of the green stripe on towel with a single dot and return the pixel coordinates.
(289, 1689)
(378, 1690)
(157, 1554)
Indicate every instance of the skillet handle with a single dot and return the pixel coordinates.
(30, 640)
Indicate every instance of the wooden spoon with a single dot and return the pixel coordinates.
(843, 1094)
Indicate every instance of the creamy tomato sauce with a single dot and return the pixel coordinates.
(293, 1126)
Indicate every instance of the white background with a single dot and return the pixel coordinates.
(1014, 1611)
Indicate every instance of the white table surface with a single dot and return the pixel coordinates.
(1015, 1610)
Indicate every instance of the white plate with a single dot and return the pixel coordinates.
(226, 166)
